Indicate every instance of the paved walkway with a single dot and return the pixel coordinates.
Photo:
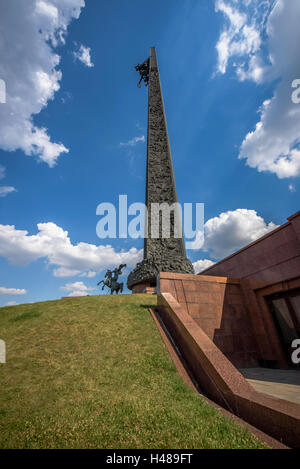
(284, 384)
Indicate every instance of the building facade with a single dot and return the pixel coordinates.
(268, 272)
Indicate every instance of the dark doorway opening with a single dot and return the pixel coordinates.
(285, 309)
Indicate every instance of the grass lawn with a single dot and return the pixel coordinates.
(93, 372)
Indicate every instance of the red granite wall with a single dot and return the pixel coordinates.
(143, 288)
(220, 380)
(273, 258)
(228, 314)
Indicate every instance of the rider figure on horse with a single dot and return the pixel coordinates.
(111, 280)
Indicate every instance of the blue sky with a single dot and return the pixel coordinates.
(216, 73)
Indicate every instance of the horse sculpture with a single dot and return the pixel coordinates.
(107, 282)
(111, 280)
(143, 69)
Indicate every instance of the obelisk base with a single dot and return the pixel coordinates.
(146, 271)
(143, 288)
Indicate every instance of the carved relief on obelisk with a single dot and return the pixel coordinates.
(162, 253)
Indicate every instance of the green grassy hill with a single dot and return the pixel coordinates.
(93, 372)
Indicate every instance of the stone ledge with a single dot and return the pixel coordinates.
(223, 383)
(148, 269)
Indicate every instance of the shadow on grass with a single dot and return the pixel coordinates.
(27, 315)
(147, 306)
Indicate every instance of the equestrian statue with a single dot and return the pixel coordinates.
(111, 278)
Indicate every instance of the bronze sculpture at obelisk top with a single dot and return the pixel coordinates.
(161, 254)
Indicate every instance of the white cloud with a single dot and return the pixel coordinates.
(53, 243)
(77, 289)
(197, 243)
(12, 291)
(264, 43)
(29, 66)
(63, 272)
(84, 55)
(89, 274)
(134, 141)
(292, 188)
(202, 264)
(5, 190)
(232, 230)
(240, 35)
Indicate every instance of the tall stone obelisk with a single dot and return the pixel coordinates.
(161, 254)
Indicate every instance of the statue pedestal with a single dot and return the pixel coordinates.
(144, 288)
(146, 272)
